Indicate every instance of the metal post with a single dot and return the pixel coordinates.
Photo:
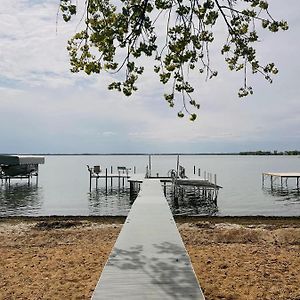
(194, 170)
(106, 180)
(90, 181)
(271, 182)
(111, 178)
(199, 172)
(177, 167)
(150, 167)
(131, 190)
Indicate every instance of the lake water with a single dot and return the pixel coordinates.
(63, 186)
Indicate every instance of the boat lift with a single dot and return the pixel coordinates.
(19, 167)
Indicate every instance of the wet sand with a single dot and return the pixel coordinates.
(234, 258)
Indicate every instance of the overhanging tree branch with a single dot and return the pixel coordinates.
(130, 26)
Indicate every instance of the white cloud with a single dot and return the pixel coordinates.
(62, 111)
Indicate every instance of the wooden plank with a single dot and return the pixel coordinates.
(149, 260)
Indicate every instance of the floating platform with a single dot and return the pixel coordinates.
(149, 260)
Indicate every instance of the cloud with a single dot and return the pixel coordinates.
(50, 109)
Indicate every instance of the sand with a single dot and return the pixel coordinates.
(234, 258)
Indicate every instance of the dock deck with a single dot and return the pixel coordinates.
(149, 260)
(282, 176)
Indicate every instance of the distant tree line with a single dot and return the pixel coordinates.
(275, 152)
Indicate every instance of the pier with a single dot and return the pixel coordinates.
(149, 260)
(175, 179)
(282, 177)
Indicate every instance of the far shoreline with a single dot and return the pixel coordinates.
(240, 153)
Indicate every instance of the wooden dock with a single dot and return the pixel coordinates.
(281, 176)
(149, 260)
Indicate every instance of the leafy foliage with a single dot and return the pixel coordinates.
(189, 24)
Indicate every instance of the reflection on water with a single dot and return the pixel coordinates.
(189, 200)
(118, 201)
(110, 202)
(286, 194)
(19, 199)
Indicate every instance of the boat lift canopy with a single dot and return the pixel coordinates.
(19, 166)
(13, 160)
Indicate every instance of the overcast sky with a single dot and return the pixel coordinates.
(45, 109)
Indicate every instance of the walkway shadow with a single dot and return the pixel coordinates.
(164, 266)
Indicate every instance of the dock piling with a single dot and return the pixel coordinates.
(111, 178)
(106, 180)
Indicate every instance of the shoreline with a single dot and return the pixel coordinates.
(234, 258)
(257, 219)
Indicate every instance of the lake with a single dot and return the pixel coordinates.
(63, 186)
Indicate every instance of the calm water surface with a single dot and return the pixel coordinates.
(63, 186)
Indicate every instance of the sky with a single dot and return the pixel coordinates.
(47, 109)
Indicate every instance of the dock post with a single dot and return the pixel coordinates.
(263, 179)
(271, 182)
(194, 170)
(298, 183)
(131, 188)
(177, 167)
(90, 181)
(199, 172)
(134, 170)
(215, 179)
(215, 199)
(204, 175)
(111, 178)
(149, 169)
(106, 180)
(147, 172)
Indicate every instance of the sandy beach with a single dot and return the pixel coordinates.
(234, 258)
